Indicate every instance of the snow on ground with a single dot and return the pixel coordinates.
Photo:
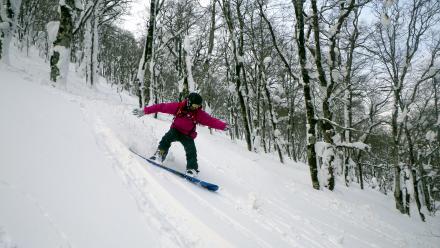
(67, 179)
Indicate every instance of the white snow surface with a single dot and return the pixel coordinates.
(4, 25)
(52, 31)
(67, 179)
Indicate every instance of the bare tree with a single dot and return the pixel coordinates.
(238, 55)
(310, 109)
(396, 45)
(60, 58)
(8, 13)
(145, 74)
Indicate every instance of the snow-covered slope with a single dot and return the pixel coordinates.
(67, 179)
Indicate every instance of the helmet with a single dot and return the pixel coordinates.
(194, 98)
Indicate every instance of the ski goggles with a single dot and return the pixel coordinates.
(195, 106)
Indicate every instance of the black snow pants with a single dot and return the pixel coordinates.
(188, 143)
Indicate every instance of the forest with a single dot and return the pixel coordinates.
(350, 87)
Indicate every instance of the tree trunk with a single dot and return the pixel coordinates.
(7, 24)
(292, 125)
(91, 41)
(310, 110)
(412, 168)
(348, 94)
(4, 25)
(426, 192)
(424, 186)
(273, 122)
(326, 127)
(398, 196)
(187, 68)
(259, 50)
(436, 83)
(2, 35)
(60, 58)
(94, 47)
(144, 77)
(206, 64)
(360, 169)
(238, 59)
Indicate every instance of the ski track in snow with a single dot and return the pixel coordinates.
(216, 211)
(178, 219)
(131, 173)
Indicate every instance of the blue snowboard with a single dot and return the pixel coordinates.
(203, 184)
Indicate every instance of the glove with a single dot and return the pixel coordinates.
(226, 128)
(138, 112)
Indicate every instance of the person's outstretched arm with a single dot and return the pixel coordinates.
(207, 120)
(167, 108)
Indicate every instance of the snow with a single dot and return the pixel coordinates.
(67, 179)
(401, 118)
(357, 145)
(79, 5)
(277, 100)
(336, 75)
(385, 20)
(431, 136)
(188, 62)
(333, 29)
(374, 183)
(141, 72)
(433, 71)
(240, 58)
(63, 3)
(314, 75)
(409, 184)
(63, 64)
(5, 240)
(232, 89)
(388, 3)
(277, 133)
(52, 31)
(320, 147)
(267, 61)
(4, 26)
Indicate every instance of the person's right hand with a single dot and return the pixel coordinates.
(226, 128)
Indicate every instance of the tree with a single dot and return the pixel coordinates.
(145, 75)
(238, 55)
(396, 45)
(310, 109)
(119, 54)
(8, 13)
(290, 74)
(329, 84)
(97, 14)
(60, 58)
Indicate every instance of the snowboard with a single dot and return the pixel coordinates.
(196, 181)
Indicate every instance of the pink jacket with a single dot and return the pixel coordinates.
(184, 123)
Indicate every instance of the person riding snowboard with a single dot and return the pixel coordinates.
(188, 114)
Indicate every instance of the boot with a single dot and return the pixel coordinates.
(192, 172)
(159, 156)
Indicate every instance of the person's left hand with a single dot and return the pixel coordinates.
(138, 112)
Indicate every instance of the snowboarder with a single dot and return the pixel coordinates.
(188, 114)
